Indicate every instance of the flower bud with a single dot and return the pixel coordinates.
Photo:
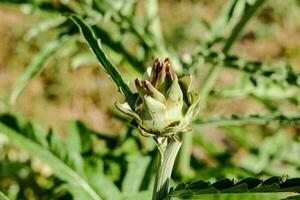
(165, 104)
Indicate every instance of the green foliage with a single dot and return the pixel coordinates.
(3, 197)
(248, 13)
(297, 197)
(35, 67)
(106, 64)
(91, 165)
(137, 166)
(235, 120)
(251, 185)
(77, 164)
(282, 75)
(50, 150)
(273, 150)
(244, 196)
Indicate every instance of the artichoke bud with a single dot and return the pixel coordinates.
(165, 104)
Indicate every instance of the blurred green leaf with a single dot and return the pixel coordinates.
(297, 197)
(44, 26)
(144, 195)
(82, 59)
(35, 66)
(224, 19)
(244, 196)
(236, 120)
(3, 197)
(249, 11)
(137, 165)
(105, 186)
(53, 157)
(276, 155)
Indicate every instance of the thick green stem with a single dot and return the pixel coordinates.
(167, 158)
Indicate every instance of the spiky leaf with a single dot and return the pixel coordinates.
(248, 185)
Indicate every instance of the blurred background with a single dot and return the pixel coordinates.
(234, 135)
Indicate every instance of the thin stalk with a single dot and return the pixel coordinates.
(183, 162)
(210, 80)
(154, 33)
(241, 25)
(252, 119)
(167, 158)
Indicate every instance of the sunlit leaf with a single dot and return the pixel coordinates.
(3, 197)
(109, 68)
(248, 185)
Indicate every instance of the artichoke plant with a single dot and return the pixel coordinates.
(165, 105)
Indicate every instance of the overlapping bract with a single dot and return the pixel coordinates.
(165, 105)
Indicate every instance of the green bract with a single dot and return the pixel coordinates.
(165, 105)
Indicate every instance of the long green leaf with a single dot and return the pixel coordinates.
(80, 142)
(247, 196)
(145, 195)
(212, 75)
(60, 169)
(250, 119)
(283, 72)
(248, 185)
(109, 68)
(223, 21)
(3, 197)
(250, 10)
(105, 186)
(35, 66)
(137, 165)
(296, 197)
(117, 46)
(44, 26)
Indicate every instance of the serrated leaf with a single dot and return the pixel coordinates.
(248, 185)
(117, 46)
(247, 196)
(109, 68)
(250, 119)
(281, 75)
